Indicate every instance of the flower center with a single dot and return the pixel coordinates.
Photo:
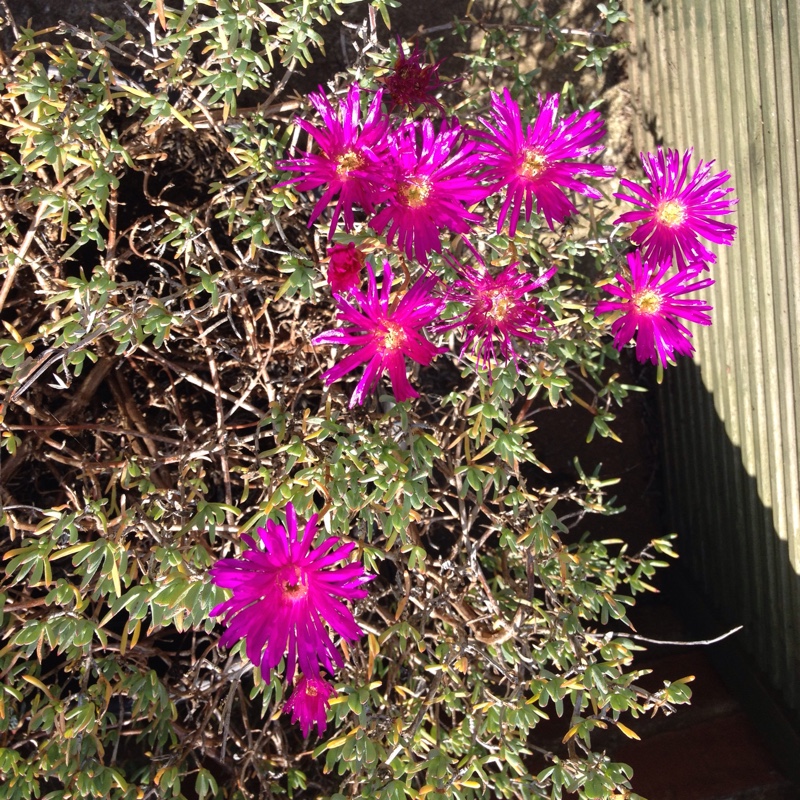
(347, 162)
(292, 584)
(415, 191)
(394, 336)
(311, 690)
(499, 304)
(648, 301)
(670, 213)
(534, 163)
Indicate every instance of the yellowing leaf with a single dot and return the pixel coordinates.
(68, 551)
(570, 733)
(39, 685)
(160, 14)
(628, 732)
(374, 649)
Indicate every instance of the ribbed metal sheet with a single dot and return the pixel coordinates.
(723, 76)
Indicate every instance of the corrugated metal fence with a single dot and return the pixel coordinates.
(724, 76)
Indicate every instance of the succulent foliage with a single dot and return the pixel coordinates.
(161, 397)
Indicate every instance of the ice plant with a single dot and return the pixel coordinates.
(282, 595)
(351, 156)
(497, 310)
(536, 162)
(651, 306)
(309, 703)
(412, 83)
(677, 209)
(382, 334)
(345, 262)
(431, 183)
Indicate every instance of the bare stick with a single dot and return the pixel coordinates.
(19, 257)
(194, 380)
(10, 19)
(82, 397)
(679, 644)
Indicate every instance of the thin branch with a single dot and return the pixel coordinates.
(10, 20)
(88, 426)
(19, 257)
(695, 643)
(195, 381)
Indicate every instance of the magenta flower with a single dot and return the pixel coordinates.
(383, 335)
(431, 181)
(497, 310)
(412, 83)
(535, 161)
(309, 703)
(351, 158)
(652, 307)
(345, 262)
(281, 597)
(677, 210)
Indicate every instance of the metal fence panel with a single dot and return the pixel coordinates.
(723, 76)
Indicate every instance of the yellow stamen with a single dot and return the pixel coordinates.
(671, 213)
(648, 301)
(499, 304)
(347, 162)
(394, 336)
(415, 192)
(533, 164)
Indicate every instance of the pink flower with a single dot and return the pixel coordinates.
(535, 161)
(345, 262)
(411, 83)
(651, 307)
(430, 183)
(281, 596)
(351, 158)
(497, 310)
(309, 703)
(677, 210)
(383, 335)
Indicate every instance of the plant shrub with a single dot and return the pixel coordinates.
(168, 318)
